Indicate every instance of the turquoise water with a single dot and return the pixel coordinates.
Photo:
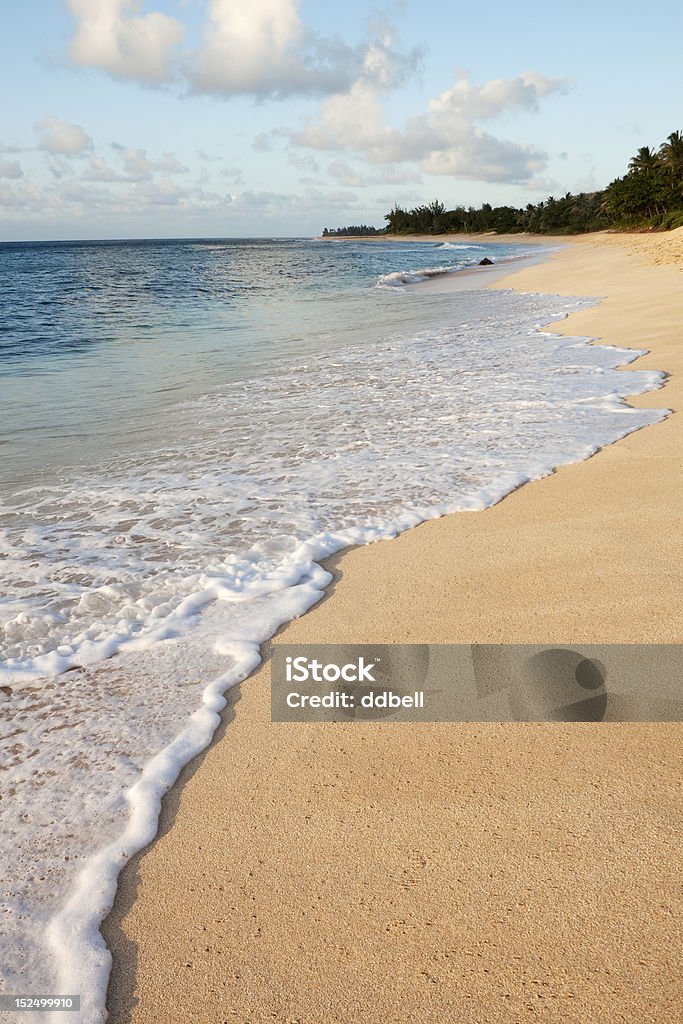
(100, 340)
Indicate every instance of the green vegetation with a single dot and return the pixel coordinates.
(651, 194)
(354, 229)
(648, 197)
(570, 214)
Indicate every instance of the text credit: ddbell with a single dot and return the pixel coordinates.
(360, 672)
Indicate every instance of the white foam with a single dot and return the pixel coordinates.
(400, 277)
(74, 933)
(463, 246)
(185, 558)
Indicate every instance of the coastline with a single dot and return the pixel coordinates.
(448, 236)
(248, 904)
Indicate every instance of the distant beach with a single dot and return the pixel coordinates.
(370, 873)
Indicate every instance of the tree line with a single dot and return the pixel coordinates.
(648, 196)
(353, 229)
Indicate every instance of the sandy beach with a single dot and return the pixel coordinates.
(477, 873)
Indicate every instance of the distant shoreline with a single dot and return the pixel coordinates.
(450, 236)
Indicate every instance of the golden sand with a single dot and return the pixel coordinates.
(451, 873)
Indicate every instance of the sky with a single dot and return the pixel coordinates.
(216, 118)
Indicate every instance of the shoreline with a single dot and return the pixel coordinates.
(457, 280)
(450, 236)
(252, 743)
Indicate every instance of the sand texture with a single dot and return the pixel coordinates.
(451, 873)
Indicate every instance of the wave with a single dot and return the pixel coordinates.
(400, 277)
(454, 245)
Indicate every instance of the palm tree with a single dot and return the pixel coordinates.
(672, 149)
(645, 160)
(671, 153)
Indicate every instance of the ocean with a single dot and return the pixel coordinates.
(187, 429)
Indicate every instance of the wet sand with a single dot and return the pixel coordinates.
(433, 873)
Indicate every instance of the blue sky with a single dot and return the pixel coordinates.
(166, 118)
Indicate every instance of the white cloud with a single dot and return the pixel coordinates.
(161, 193)
(482, 157)
(138, 166)
(233, 174)
(61, 138)
(345, 174)
(264, 49)
(261, 48)
(74, 193)
(126, 45)
(248, 48)
(80, 202)
(445, 139)
(100, 170)
(60, 167)
(354, 177)
(352, 120)
(11, 169)
(275, 204)
(25, 199)
(304, 162)
(498, 96)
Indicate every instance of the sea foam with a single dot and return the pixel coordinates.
(185, 557)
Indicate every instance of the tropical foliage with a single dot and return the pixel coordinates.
(648, 196)
(552, 216)
(651, 194)
(354, 229)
